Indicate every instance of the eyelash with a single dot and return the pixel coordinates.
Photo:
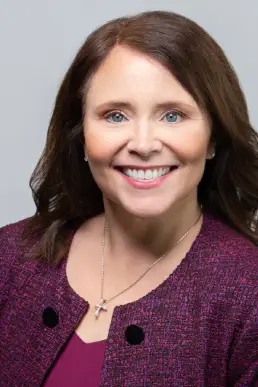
(109, 114)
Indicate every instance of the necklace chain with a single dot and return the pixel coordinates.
(101, 306)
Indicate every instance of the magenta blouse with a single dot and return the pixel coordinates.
(78, 365)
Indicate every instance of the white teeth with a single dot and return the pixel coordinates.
(154, 174)
(135, 174)
(160, 172)
(148, 174)
(140, 174)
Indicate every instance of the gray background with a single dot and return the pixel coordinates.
(38, 40)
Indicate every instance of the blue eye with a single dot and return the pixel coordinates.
(115, 117)
(173, 116)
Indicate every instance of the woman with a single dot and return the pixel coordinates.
(140, 265)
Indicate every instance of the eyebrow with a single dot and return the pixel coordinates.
(113, 104)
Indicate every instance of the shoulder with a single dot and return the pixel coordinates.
(225, 241)
(231, 260)
(14, 228)
(10, 238)
(12, 267)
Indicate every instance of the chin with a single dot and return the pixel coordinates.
(146, 212)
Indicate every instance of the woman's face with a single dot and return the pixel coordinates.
(146, 139)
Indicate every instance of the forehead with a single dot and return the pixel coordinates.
(129, 74)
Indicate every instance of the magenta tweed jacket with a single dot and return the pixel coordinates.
(198, 328)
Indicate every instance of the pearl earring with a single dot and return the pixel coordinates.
(86, 158)
(211, 155)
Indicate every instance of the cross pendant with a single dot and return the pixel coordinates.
(100, 307)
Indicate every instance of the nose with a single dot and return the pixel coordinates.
(144, 141)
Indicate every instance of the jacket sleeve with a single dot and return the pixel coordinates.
(243, 368)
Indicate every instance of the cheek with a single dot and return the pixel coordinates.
(193, 147)
(99, 148)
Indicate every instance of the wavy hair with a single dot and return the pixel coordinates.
(63, 188)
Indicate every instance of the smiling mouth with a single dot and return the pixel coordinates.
(146, 174)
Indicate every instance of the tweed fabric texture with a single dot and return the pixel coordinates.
(200, 325)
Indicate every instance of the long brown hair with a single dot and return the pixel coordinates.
(63, 188)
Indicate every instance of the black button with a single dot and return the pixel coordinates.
(50, 317)
(134, 334)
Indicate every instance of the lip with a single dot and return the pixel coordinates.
(142, 183)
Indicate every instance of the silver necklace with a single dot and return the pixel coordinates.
(101, 306)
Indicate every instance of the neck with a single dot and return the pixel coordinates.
(135, 238)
